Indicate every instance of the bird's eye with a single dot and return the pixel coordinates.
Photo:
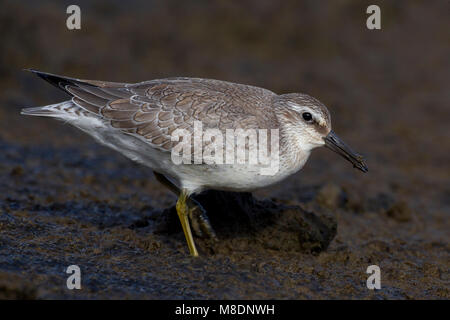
(307, 116)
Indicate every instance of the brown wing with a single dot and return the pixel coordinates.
(154, 109)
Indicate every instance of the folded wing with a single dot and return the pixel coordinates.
(154, 109)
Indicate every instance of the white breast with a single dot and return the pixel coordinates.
(194, 177)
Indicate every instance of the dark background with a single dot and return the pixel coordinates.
(65, 200)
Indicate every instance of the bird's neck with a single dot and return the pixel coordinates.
(293, 150)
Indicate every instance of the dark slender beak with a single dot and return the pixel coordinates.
(333, 142)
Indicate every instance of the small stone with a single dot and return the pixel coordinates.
(400, 212)
(330, 196)
(17, 171)
(431, 270)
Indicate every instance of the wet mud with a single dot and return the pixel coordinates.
(65, 201)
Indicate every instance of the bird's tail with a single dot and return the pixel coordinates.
(57, 110)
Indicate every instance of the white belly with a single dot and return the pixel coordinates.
(193, 177)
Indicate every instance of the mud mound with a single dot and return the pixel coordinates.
(240, 219)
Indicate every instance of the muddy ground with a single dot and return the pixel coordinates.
(65, 200)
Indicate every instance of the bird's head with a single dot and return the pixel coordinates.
(309, 121)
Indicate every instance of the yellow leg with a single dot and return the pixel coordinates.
(183, 211)
(197, 215)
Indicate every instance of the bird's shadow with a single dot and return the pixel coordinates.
(240, 216)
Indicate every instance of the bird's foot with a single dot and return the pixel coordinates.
(200, 221)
